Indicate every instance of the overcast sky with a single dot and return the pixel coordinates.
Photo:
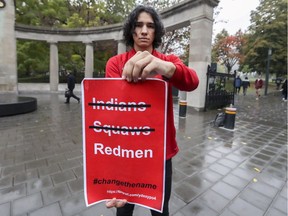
(236, 13)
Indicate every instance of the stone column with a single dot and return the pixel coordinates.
(200, 54)
(121, 47)
(54, 66)
(8, 59)
(89, 60)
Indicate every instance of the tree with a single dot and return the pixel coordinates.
(268, 29)
(66, 14)
(227, 49)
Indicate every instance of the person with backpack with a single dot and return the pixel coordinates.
(245, 85)
(237, 84)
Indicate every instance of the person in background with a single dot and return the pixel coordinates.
(71, 85)
(278, 82)
(284, 90)
(245, 85)
(258, 86)
(237, 84)
(143, 32)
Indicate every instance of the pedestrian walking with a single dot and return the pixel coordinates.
(237, 84)
(284, 90)
(71, 85)
(258, 86)
(245, 85)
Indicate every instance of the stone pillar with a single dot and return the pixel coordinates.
(8, 60)
(89, 60)
(200, 54)
(121, 47)
(54, 67)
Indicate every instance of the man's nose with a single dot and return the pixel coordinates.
(144, 29)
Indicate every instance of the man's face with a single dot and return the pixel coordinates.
(144, 32)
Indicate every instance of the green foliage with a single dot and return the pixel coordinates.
(33, 56)
(268, 30)
(227, 49)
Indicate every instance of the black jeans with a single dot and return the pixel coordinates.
(72, 95)
(127, 210)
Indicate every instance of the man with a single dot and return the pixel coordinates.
(237, 84)
(71, 85)
(246, 85)
(143, 31)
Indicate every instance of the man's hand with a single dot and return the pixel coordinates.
(144, 64)
(115, 203)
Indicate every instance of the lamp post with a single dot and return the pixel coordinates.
(267, 70)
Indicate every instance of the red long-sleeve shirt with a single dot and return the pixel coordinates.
(184, 79)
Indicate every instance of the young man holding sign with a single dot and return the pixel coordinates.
(143, 32)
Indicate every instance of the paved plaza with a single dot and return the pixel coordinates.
(217, 172)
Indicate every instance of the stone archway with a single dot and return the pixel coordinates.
(196, 13)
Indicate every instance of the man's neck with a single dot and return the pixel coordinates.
(149, 49)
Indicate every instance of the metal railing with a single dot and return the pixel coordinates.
(219, 89)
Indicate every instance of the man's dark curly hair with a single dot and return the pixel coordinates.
(130, 24)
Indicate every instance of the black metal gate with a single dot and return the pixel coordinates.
(219, 89)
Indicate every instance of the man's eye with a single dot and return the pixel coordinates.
(139, 24)
(151, 25)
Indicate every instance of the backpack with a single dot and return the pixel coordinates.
(219, 119)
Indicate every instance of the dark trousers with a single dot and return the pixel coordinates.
(127, 210)
(72, 95)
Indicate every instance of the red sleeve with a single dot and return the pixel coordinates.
(184, 78)
(113, 68)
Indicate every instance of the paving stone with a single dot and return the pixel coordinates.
(36, 185)
(259, 141)
(14, 169)
(12, 193)
(69, 164)
(49, 170)
(27, 204)
(244, 173)
(55, 194)
(225, 190)
(235, 181)
(227, 212)
(6, 182)
(214, 200)
(73, 205)
(243, 208)
(210, 175)
(275, 212)
(61, 177)
(197, 208)
(36, 164)
(5, 209)
(100, 209)
(222, 170)
(280, 204)
(263, 188)
(196, 181)
(25, 176)
(78, 171)
(175, 204)
(256, 199)
(185, 192)
(228, 163)
(76, 185)
(50, 210)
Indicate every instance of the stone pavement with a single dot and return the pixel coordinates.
(217, 171)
